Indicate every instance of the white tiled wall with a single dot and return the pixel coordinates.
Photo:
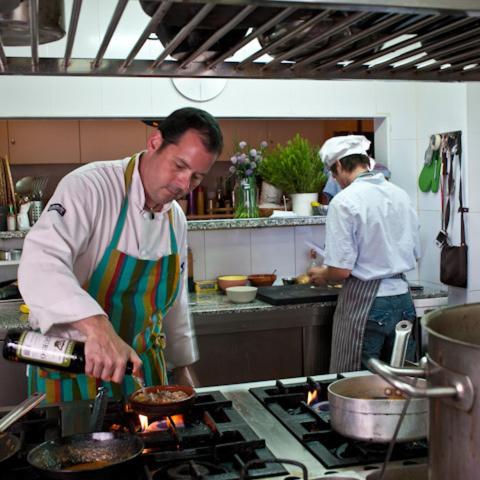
(262, 250)
(413, 111)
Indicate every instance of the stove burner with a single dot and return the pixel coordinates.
(188, 470)
(310, 424)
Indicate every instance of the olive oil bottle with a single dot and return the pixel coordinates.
(46, 351)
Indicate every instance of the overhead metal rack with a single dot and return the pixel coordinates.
(373, 39)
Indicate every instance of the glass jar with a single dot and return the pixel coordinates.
(246, 198)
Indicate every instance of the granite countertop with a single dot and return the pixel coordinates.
(212, 303)
(200, 304)
(224, 224)
(227, 224)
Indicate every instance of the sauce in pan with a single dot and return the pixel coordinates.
(87, 466)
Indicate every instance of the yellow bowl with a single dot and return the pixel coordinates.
(226, 281)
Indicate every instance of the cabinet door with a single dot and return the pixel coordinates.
(110, 139)
(237, 130)
(280, 131)
(3, 138)
(43, 141)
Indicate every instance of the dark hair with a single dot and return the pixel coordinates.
(178, 122)
(351, 162)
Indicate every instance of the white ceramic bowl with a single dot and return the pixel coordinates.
(243, 294)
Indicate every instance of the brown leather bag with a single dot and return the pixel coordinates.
(454, 259)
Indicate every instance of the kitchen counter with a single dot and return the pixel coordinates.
(227, 224)
(218, 303)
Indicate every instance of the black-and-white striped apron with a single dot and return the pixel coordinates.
(349, 321)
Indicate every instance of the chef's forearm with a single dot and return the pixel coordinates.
(89, 326)
(333, 274)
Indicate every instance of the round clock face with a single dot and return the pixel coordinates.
(199, 89)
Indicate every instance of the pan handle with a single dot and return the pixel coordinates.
(403, 330)
(459, 387)
(20, 410)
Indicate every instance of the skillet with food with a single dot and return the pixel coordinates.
(86, 455)
(162, 400)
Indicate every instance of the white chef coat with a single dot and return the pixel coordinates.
(372, 229)
(61, 252)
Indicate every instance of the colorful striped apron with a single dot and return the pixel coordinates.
(136, 294)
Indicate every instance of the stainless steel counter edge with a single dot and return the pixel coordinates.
(281, 442)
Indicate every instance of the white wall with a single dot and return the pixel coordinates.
(411, 112)
(406, 112)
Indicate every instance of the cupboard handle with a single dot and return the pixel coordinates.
(13, 141)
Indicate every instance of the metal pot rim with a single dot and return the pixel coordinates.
(431, 316)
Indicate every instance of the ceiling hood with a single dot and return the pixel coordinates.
(349, 39)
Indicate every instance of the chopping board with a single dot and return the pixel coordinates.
(293, 294)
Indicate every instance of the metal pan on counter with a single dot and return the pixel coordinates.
(162, 400)
(368, 408)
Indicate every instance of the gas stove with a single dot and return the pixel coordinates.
(228, 428)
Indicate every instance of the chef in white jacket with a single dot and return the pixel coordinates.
(372, 240)
(106, 263)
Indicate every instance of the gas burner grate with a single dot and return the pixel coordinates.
(311, 426)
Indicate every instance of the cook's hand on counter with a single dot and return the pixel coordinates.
(317, 275)
(106, 354)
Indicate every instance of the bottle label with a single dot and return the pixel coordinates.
(48, 350)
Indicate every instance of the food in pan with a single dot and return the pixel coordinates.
(161, 397)
(79, 467)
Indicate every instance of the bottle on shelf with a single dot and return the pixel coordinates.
(220, 196)
(191, 207)
(200, 200)
(11, 219)
(191, 283)
(47, 351)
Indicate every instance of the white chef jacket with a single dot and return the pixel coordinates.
(373, 230)
(64, 247)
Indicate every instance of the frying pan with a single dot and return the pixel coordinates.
(86, 455)
(163, 409)
(10, 444)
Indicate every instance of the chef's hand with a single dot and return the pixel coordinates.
(184, 376)
(106, 354)
(317, 275)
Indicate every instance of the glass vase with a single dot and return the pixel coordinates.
(246, 198)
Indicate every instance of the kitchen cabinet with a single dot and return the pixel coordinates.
(261, 345)
(234, 130)
(280, 131)
(43, 141)
(3, 138)
(111, 139)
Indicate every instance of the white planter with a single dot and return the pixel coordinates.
(302, 203)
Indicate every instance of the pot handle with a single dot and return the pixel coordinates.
(459, 390)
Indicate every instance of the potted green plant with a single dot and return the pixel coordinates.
(297, 169)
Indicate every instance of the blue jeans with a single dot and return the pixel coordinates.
(384, 315)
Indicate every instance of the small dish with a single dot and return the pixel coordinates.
(262, 279)
(242, 294)
(226, 281)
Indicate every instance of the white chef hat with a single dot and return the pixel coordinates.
(336, 148)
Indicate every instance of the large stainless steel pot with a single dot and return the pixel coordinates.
(15, 23)
(366, 408)
(453, 376)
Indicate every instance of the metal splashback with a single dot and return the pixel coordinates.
(349, 39)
